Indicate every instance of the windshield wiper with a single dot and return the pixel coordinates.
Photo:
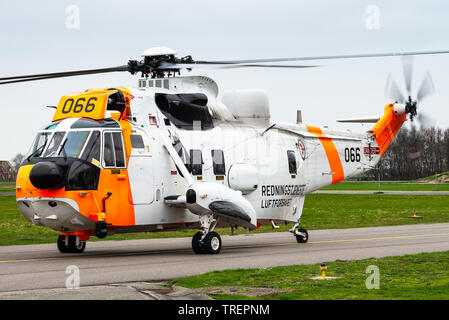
(35, 151)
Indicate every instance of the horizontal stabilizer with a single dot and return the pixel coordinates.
(361, 120)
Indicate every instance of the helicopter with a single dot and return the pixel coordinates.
(170, 154)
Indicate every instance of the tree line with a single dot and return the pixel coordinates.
(414, 153)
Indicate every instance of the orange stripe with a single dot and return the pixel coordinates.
(331, 152)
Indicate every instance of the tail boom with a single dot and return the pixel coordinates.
(388, 126)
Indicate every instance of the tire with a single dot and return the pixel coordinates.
(197, 246)
(302, 238)
(212, 243)
(73, 248)
(61, 244)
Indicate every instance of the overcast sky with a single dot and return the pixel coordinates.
(43, 36)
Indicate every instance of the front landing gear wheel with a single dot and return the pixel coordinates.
(74, 248)
(71, 246)
(62, 246)
(302, 236)
(212, 243)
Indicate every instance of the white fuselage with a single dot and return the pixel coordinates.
(255, 159)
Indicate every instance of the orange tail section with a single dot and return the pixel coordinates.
(387, 127)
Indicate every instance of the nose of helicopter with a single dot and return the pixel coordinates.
(47, 175)
(60, 214)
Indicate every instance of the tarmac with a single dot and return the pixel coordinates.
(138, 269)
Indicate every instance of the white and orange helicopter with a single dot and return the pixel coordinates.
(171, 155)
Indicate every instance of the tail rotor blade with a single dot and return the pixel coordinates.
(392, 90)
(407, 65)
(425, 120)
(426, 88)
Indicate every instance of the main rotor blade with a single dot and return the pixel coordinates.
(392, 90)
(236, 66)
(350, 56)
(426, 88)
(42, 76)
(177, 66)
(407, 65)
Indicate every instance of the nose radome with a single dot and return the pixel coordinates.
(47, 175)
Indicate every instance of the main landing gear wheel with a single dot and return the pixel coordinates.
(211, 244)
(197, 245)
(302, 236)
(72, 247)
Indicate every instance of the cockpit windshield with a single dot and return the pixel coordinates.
(53, 146)
(84, 144)
(73, 144)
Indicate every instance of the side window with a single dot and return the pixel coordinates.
(218, 162)
(196, 162)
(291, 161)
(113, 154)
(137, 141)
(118, 148)
(108, 156)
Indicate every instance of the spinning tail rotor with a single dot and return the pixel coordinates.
(426, 88)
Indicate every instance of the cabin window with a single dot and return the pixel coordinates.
(218, 162)
(113, 154)
(291, 161)
(137, 141)
(196, 162)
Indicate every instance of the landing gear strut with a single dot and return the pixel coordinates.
(206, 241)
(71, 244)
(302, 236)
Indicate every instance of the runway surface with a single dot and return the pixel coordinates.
(42, 266)
(396, 192)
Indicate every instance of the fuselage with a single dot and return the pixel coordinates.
(119, 171)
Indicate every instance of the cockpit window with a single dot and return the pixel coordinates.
(53, 146)
(51, 126)
(39, 144)
(91, 152)
(74, 144)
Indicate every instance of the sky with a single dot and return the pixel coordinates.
(51, 36)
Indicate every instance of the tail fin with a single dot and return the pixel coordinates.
(388, 126)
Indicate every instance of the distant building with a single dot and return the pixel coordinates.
(7, 172)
